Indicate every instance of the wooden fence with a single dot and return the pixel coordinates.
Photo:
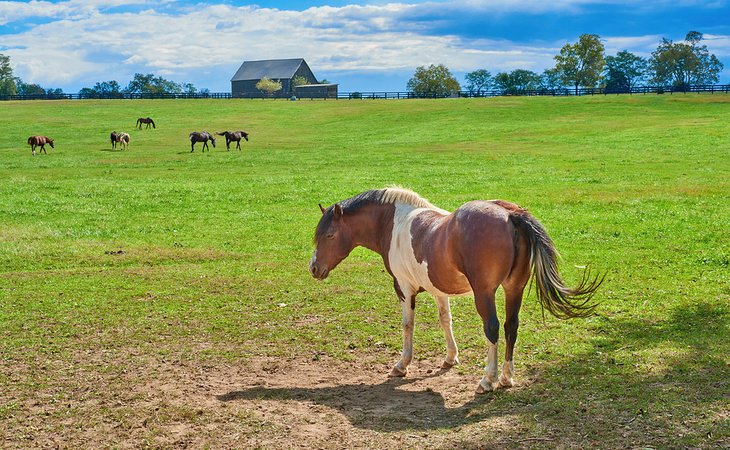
(643, 90)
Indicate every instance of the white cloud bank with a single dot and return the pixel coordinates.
(86, 42)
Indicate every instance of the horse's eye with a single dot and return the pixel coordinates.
(330, 235)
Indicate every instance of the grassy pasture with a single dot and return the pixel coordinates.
(118, 266)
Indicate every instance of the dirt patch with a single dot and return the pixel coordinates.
(129, 401)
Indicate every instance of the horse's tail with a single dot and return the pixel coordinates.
(222, 133)
(30, 139)
(152, 122)
(560, 300)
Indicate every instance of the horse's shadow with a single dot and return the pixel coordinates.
(380, 407)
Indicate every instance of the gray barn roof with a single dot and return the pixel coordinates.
(272, 68)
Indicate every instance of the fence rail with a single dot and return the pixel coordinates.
(719, 88)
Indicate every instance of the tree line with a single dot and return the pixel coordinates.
(140, 84)
(585, 65)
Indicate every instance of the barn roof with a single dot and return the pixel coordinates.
(272, 68)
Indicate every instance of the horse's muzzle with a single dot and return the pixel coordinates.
(317, 272)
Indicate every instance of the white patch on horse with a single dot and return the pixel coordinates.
(409, 273)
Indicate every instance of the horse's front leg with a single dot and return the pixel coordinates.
(408, 308)
(452, 351)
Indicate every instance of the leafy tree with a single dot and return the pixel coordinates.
(433, 81)
(29, 89)
(107, 88)
(189, 88)
(517, 81)
(298, 81)
(8, 84)
(581, 64)
(624, 71)
(684, 63)
(550, 79)
(268, 85)
(150, 84)
(478, 81)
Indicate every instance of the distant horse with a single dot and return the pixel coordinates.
(39, 141)
(475, 249)
(234, 136)
(203, 137)
(146, 120)
(124, 140)
(114, 137)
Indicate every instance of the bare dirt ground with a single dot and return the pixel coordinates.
(128, 400)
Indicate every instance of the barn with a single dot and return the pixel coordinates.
(243, 83)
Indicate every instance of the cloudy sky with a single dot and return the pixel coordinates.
(362, 45)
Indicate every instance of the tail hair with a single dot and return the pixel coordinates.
(560, 300)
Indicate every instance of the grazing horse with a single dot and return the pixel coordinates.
(475, 249)
(39, 141)
(234, 136)
(203, 137)
(146, 120)
(121, 138)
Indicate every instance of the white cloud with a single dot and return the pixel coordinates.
(87, 43)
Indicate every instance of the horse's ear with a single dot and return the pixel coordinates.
(337, 210)
(322, 208)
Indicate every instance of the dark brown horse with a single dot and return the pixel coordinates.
(203, 137)
(234, 136)
(145, 120)
(474, 250)
(39, 141)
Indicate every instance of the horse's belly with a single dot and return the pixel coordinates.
(411, 274)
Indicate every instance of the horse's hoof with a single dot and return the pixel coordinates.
(505, 382)
(448, 365)
(482, 389)
(397, 373)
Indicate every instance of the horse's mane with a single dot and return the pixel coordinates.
(390, 195)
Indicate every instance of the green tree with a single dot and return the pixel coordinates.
(581, 64)
(8, 83)
(150, 84)
(433, 81)
(478, 81)
(624, 71)
(684, 63)
(29, 89)
(268, 85)
(550, 79)
(517, 82)
(298, 81)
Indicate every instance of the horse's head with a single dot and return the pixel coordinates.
(333, 239)
(50, 142)
(212, 140)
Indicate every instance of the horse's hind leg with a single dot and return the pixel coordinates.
(192, 147)
(484, 301)
(514, 287)
(452, 351)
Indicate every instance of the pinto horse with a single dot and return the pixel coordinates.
(39, 141)
(121, 138)
(474, 250)
(234, 136)
(203, 137)
(145, 120)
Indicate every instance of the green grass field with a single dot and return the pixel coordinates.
(112, 259)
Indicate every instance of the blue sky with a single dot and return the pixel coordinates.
(363, 46)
